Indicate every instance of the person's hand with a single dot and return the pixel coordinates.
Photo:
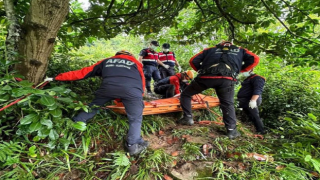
(179, 68)
(177, 95)
(252, 104)
(166, 66)
(48, 79)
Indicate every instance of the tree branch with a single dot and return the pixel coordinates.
(312, 20)
(284, 25)
(200, 8)
(225, 15)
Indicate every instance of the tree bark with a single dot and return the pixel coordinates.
(13, 31)
(39, 31)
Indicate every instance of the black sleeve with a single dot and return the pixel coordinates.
(258, 84)
(143, 53)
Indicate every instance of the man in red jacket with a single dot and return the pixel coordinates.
(122, 78)
(150, 60)
(168, 58)
(218, 68)
(172, 85)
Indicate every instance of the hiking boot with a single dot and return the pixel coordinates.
(232, 134)
(185, 120)
(136, 149)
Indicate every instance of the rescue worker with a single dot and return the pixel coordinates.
(217, 68)
(173, 85)
(122, 78)
(168, 57)
(150, 61)
(250, 97)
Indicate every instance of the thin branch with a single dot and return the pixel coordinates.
(225, 15)
(109, 9)
(239, 21)
(200, 8)
(284, 25)
(312, 20)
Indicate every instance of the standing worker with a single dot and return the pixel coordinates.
(122, 78)
(218, 68)
(172, 85)
(150, 61)
(168, 57)
(250, 97)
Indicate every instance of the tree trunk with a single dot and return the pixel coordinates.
(13, 31)
(39, 30)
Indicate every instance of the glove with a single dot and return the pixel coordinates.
(179, 68)
(177, 95)
(252, 104)
(48, 79)
(166, 66)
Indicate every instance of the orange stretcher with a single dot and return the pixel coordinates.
(169, 105)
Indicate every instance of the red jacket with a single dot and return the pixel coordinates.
(174, 80)
(167, 58)
(120, 70)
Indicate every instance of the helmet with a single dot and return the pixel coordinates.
(166, 46)
(155, 43)
(124, 52)
(189, 74)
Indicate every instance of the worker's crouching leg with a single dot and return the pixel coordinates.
(134, 110)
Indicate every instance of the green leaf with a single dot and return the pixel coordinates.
(4, 98)
(56, 113)
(316, 164)
(65, 100)
(47, 100)
(46, 122)
(6, 88)
(53, 107)
(313, 117)
(25, 83)
(43, 133)
(80, 126)
(307, 158)
(29, 119)
(35, 126)
(32, 151)
(53, 135)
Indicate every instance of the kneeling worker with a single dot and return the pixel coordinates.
(170, 86)
(125, 68)
(250, 97)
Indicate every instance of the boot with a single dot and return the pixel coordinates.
(136, 149)
(186, 120)
(232, 134)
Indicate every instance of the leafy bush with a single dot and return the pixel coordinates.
(289, 88)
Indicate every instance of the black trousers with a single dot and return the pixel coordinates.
(166, 72)
(253, 114)
(151, 72)
(225, 91)
(132, 101)
(166, 90)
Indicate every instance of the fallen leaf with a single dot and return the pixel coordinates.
(175, 153)
(161, 133)
(280, 167)
(166, 177)
(241, 166)
(315, 174)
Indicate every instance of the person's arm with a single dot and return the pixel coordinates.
(94, 70)
(258, 84)
(142, 54)
(195, 61)
(175, 81)
(250, 60)
(164, 65)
